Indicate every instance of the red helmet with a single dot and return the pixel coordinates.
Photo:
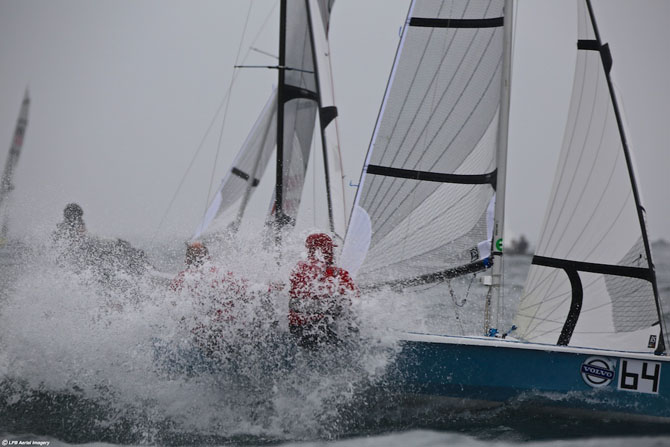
(196, 253)
(322, 242)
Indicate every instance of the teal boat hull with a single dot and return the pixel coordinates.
(492, 371)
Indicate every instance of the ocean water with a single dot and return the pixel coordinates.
(97, 355)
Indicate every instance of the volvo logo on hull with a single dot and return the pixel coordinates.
(598, 372)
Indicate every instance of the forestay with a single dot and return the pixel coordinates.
(426, 194)
(591, 282)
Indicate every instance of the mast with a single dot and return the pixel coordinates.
(606, 58)
(6, 185)
(303, 46)
(292, 109)
(280, 219)
(501, 166)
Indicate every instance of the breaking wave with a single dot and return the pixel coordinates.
(95, 352)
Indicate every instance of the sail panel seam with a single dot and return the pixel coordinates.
(429, 144)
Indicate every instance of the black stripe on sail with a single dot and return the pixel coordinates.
(604, 50)
(326, 115)
(575, 308)
(456, 23)
(572, 269)
(589, 267)
(588, 45)
(293, 92)
(243, 175)
(475, 179)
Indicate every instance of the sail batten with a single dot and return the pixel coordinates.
(456, 23)
(472, 179)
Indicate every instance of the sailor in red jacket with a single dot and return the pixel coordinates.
(213, 295)
(320, 294)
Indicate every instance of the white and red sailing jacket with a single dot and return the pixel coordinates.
(318, 290)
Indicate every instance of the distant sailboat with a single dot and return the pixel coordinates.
(287, 122)
(6, 183)
(589, 332)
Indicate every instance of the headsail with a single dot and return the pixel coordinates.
(592, 281)
(251, 161)
(6, 184)
(427, 187)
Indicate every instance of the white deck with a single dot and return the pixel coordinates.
(511, 343)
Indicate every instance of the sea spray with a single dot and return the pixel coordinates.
(84, 348)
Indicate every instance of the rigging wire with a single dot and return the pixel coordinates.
(337, 148)
(190, 165)
(209, 128)
(313, 151)
(225, 112)
(462, 303)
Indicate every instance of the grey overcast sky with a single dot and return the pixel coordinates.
(123, 91)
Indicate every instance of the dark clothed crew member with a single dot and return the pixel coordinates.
(107, 258)
(72, 228)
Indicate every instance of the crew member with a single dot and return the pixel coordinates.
(213, 295)
(196, 255)
(72, 227)
(320, 294)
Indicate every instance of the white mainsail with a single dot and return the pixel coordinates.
(592, 282)
(428, 183)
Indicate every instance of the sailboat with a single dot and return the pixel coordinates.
(287, 122)
(304, 91)
(589, 334)
(6, 182)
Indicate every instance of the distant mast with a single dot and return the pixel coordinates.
(280, 217)
(6, 185)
